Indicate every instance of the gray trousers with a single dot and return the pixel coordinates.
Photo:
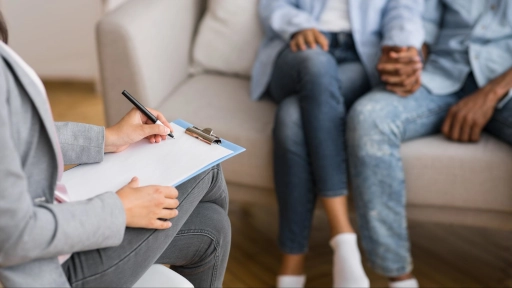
(197, 244)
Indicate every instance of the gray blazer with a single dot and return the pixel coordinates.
(33, 230)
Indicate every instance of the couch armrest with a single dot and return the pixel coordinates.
(145, 48)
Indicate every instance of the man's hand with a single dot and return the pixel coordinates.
(145, 206)
(466, 119)
(133, 127)
(309, 37)
(400, 69)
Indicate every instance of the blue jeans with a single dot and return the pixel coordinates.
(377, 125)
(313, 89)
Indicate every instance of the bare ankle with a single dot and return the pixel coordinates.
(401, 278)
(292, 264)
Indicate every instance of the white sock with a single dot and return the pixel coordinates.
(291, 281)
(347, 267)
(409, 283)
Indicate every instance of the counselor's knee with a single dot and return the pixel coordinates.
(215, 230)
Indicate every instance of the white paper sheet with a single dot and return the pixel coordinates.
(165, 163)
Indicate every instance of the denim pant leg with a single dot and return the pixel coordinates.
(123, 265)
(292, 165)
(312, 77)
(201, 248)
(377, 124)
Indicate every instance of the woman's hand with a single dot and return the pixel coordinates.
(145, 206)
(133, 127)
(308, 37)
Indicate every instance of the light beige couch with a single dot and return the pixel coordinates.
(145, 47)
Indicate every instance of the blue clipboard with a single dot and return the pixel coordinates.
(226, 144)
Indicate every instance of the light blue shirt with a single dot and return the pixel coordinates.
(374, 23)
(466, 36)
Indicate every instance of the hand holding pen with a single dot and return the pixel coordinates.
(134, 126)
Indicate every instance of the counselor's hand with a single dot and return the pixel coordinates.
(400, 69)
(308, 37)
(144, 206)
(133, 127)
(466, 119)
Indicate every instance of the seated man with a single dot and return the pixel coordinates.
(465, 83)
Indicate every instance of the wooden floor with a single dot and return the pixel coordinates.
(445, 256)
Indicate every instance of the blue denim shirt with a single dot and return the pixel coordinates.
(374, 23)
(464, 37)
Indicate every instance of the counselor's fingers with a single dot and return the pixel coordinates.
(167, 213)
(155, 129)
(159, 224)
(161, 118)
(170, 192)
(171, 203)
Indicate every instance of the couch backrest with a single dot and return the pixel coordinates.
(145, 47)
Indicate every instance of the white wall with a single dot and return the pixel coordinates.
(56, 37)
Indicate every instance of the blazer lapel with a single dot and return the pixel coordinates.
(40, 101)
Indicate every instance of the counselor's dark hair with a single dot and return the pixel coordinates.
(4, 36)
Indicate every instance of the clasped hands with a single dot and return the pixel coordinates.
(143, 206)
(400, 70)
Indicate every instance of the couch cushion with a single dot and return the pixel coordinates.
(223, 104)
(438, 172)
(228, 37)
(444, 173)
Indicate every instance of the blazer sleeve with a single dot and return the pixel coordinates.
(30, 231)
(81, 143)
(402, 23)
(284, 18)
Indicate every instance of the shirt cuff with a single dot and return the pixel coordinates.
(431, 32)
(505, 100)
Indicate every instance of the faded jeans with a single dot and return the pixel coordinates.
(196, 246)
(377, 125)
(313, 89)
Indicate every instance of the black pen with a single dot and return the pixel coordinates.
(143, 110)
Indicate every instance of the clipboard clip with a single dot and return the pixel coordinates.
(206, 135)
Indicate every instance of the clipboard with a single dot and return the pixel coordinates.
(169, 163)
(224, 143)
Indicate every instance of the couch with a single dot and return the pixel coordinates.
(145, 48)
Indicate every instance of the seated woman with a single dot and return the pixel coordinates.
(316, 59)
(112, 238)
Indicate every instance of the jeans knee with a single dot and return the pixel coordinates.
(288, 124)
(215, 233)
(317, 62)
(372, 122)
